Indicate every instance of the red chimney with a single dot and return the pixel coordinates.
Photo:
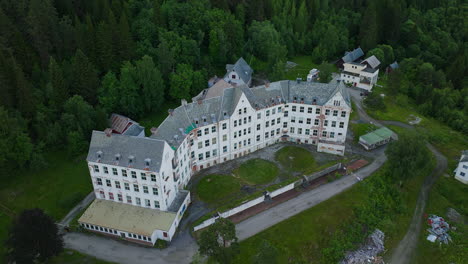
(108, 132)
(153, 130)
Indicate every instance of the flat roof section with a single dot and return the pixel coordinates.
(376, 136)
(125, 217)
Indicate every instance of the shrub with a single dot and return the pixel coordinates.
(160, 244)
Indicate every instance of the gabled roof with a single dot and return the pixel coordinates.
(123, 125)
(351, 56)
(105, 149)
(376, 136)
(242, 68)
(372, 61)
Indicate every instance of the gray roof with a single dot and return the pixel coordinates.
(242, 68)
(353, 55)
(464, 156)
(209, 111)
(394, 65)
(372, 61)
(104, 149)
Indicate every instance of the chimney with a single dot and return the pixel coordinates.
(298, 80)
(170, 111)
(200, 101)
(183, 102)
(153, 130)
(267, 84)
(108, 132)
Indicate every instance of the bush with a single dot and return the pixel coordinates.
(375, 102)
(160, 244)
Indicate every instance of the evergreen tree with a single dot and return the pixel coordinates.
(369, 27)
(85, 81)
(125, 45)
(58, 84)
(151, 83)
(181, 81)
(109, 93)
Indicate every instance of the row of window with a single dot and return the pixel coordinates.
(317, 111)
(124, 173)
(314, 132)
(206, 131)
(136, 187)
(114, 232)
(129, 199)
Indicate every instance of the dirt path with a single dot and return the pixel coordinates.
(405, 249)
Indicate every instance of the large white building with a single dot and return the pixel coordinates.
(362, 74)
(461, 172)
(145, 176)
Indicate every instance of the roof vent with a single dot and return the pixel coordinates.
(183, 102)
(170, 111)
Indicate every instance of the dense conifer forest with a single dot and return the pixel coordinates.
(65, 65)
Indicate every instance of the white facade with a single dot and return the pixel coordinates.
(461, 172)
(360, 75)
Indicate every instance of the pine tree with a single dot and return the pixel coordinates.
(125, 44)
(58, 84)
(85, 81)
(369, 28)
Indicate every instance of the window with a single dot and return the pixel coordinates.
(277, 131)
(129, 199)
(335, 112)
(207, 131)
(111, 196)
(147, 203)
(279, 109)
(317, 111)
(341, 124)
(293, 119)
(336, 103)
(156, 204)
(101, 193)
(267, 112)
(301, 120)
(316, 122)
(200, 145)
(153, 177)
(332, 134)
(224, 126)
(301, 109)
(215, 152)
(199, 133)
(327, 112)
(192, 154)
(324, 133)
(127, 186)
(465, 166)
(235, 145)
(224, 137)
(333, 124)
(343, 113)
(258, 137)
(124, 173)
(240, 111)
(259, 115)
(245, 110)
(135, 188)
(224, 149)
(326, 123)
(106, 171)
(114, 171)
(138, 201)
(273, 122)
(258, 126)
(145, 189)
(207, 143)
(299, 130)
(272, 133)
(134, 174)
(235, 134)
(191, 141)
(292, 129)
(309, 110)
(266, 135)
(213, 129)
(117, 184)
(213, 141)
(143, 176)
(285, 113)
(273, 111)
(235, 123)
(207, 154)
(245, 120)
(108, 183)
(96, 168)
(119, 197)
(99, 181)
(200, 156)
(267, 124)
(250, 119)
(293, 108)
(278, 120)
(462, 173)
(307, 131)
(315, 132)
(285, 124)
(155, 191)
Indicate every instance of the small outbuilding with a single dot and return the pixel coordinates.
(461, 172)
(377, 138)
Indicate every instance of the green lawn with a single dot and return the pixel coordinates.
(74, 257)
(305, 64)
(56, 190)
(257, 171)
(156, 118)
(214, 188)
(296, 159)
(446, 193)
(361, 129)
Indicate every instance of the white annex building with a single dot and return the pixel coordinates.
(461, 172)
(139, 181)
(362, 74)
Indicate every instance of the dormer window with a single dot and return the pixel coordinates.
(117, 157)
(130, 160)
(295, 98)
(147, 162)
(99, 154)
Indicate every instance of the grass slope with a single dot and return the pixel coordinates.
(216, 187)
(257, 171)
(296, 159)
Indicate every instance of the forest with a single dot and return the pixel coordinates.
(66, 65)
